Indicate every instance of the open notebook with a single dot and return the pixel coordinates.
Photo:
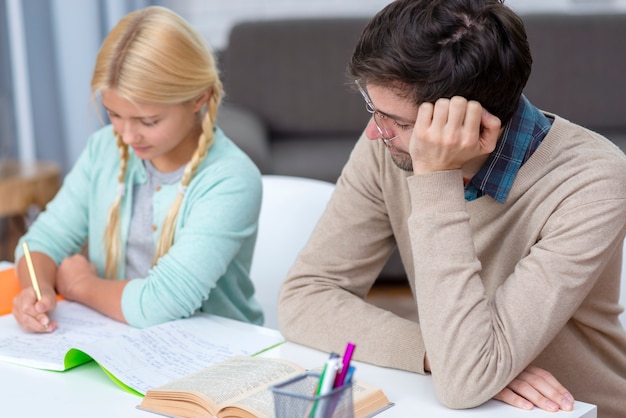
(136, 359)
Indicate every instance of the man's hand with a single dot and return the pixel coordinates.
(536, 387)
(450, 133)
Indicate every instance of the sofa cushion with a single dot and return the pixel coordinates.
(321, 158)
(579, 65)
(248, 131)
(292, 73)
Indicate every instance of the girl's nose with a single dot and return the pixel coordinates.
(129, 132)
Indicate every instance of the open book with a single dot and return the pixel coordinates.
(239, 388)
(136, 359)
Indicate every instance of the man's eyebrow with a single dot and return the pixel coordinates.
(396, 118)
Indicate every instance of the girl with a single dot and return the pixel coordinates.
(167, 204)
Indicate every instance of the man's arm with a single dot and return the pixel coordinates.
(322, 300)
(485, 319)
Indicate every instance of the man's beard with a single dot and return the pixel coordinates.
(402, 161)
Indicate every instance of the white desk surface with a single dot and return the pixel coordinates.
(86, 391)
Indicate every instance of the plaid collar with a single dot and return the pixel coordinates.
(521, 137)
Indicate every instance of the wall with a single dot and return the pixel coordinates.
(214, 18)
(63, 37)
(8, 149)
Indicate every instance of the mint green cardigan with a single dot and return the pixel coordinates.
(207, 267)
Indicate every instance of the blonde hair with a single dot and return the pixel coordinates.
(154, 56)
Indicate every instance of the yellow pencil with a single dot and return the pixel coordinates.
(31, 270)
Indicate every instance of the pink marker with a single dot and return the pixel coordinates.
(347, 357)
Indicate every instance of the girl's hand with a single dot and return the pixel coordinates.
(450, 133)
(73, 277)
(33, 315)
(537, 387)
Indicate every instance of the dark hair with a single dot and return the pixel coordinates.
(428, 49)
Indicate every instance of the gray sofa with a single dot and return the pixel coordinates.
(290, 106)
(579, 70)
(288, 102)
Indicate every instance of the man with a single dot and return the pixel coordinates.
(509, 221)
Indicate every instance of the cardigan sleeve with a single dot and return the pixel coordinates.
(208, 265)
(63, 227)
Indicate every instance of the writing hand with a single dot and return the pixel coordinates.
(450, 133)
(536, 387)
(32, 315)
(74, 275)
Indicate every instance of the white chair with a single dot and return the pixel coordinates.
(290, 210)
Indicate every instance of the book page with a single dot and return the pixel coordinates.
(139, 358)
(151, 357)
(78, 326)
(242, 383)
(236, 378)
(368, 400)
(259, 405)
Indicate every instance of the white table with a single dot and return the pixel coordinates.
(414, 394)
(86, 391)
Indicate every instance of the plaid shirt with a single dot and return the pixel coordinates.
(521, 137)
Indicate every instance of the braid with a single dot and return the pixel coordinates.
(154, 56)
(112, 239)
(205, 141)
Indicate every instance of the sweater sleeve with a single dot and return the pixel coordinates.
(478, 343)
(322, 300)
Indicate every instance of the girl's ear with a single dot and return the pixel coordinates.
(202, 100)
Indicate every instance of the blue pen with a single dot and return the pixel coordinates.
(349, 375)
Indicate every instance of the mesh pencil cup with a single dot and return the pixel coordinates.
(294, 398)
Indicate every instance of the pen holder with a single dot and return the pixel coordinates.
(294, 398)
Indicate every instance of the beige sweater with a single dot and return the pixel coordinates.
(498, 286)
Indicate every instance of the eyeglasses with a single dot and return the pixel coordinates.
(384, 123)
